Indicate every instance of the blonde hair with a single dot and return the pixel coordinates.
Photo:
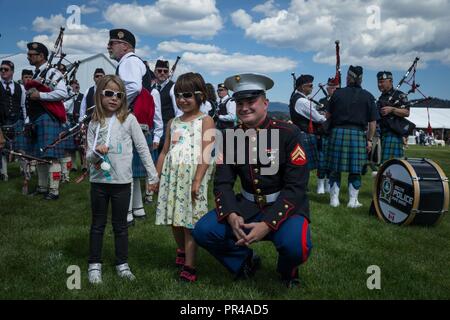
(99, 113)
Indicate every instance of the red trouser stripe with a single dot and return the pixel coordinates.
(305, 250)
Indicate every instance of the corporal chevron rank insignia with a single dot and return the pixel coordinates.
(298, 156)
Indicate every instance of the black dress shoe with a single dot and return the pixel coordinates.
(249, 268)
(38, 192)
(291, 280)
(51, 196)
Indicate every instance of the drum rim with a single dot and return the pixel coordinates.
(444, 180)
(416, 188)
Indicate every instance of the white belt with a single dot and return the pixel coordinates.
(268, 198)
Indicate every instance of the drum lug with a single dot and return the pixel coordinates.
(415, 178)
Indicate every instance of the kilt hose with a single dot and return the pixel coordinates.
(312, 153)
(138, 168)
(322, 170)
(346, 150)
(46, 130)
(391, 146)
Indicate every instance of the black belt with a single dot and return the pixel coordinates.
(349, 126)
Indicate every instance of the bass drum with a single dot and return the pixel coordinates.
(411, 191)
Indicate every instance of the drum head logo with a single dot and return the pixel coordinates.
(386, 187)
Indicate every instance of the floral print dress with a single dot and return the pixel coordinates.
(175, 205)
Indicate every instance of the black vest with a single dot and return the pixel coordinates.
(299, 120)
(166, 102)
(10, 109)
(34, 107)
(76, 107)
(221, 111)
(90, 100)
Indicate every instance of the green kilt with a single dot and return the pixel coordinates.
(323, 151)
(137, 165)
(391, 146)
(346, 150)
(312, 153)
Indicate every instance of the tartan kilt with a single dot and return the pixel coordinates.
(46, 131)
(391, 146)
(137, 165)
(312, 153)
(323, 165)
(69, 144)
(19, 141)
(346, 150)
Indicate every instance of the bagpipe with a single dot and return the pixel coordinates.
(401, 125)
(72, 131)
(47, 84)
(7, 151)
(174, 67)
(22, 155)
(323, 128)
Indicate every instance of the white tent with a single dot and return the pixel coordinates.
(85, 72)
(439, 117)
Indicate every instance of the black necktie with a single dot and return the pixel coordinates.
(158, 87)
(36, 73)
(8, 88)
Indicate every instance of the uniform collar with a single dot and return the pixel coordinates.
(264, 125)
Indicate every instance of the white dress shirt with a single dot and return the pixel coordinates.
(158, 124)
(83, 106)
(131, 70)
(59, 92)
(231, 110)
(305, 107)
(206, 107)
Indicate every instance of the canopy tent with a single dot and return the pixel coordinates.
(439, 118)
(89, 62)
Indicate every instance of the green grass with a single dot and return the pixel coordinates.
(40, 239)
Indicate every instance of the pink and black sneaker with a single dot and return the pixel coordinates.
(188, 274)
(180, 259)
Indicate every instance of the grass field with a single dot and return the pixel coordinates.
(40, 240)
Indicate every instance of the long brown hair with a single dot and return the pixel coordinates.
(99, 113)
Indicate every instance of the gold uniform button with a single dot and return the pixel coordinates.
(274, 122)
(254, 149)
(286, 206)
(280, 213)
(256, 181)
(274, 222)
(220, 207)
(258, 190)
(218, 199)
(256, 170)
(221, 213)
(253, 139)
